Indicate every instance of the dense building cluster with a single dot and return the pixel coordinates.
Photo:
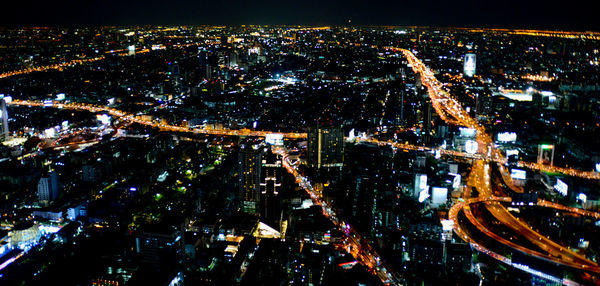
(272, 155)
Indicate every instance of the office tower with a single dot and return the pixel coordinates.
(202, 57)
(401, 119)
(48, 188)
(469, 65)
(427, 120)
(270, 186)
(233, 59)
(249, 159)
(158, 244)
(204, 63)
(325, 146)
(3, 120)
(364, 203)
(484, 104)
(91, 172)
(131, 50)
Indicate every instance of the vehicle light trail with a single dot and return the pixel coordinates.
(293, 135)
(358, 247)
(450, 110)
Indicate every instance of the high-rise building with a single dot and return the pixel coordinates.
(3, 120)
(439, 196)
(48, 188)
(233, 59)
(270, 186)
(204, 62)
(158, 244)
(428, 113)
(250, 161)
(325, 146)
(421, 186)
(364, 203)
(484, 104)
(469, 65)
(91, 172)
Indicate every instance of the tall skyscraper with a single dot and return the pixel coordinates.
(48, 188)
(325, 146)
(469, 65)
(364, 203)
(270, 186)
(3, 120)
(204, 63)
(233, 59)
(483, 104)
(428, 113)
(250, 160)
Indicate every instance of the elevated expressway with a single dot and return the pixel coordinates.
(449, 110)
(122, 115)
(452, 112)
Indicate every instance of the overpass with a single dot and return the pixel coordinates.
(451, 111)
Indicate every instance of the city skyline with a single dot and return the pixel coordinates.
(513, 14)
(299, 155)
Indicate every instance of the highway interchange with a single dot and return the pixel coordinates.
(450, 110)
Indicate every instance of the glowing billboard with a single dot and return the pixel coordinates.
(512, 153)
(50, 133)
(456, 181)
(582, 197)
(507, 137)
(274, 139)
(103, 118)
(423, 195)
(471, 146)
(131, 50)
(545, 154)
(6, 98)
(447, 225)
(518, 174)
(466, 132)
(561, 187)
(440, 196)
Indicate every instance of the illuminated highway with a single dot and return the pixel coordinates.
(140, 120)
(451, 111)
(479, 178)
(72, 63)
(541, 33)
(354, 243)
(299, 135)
(60, 67)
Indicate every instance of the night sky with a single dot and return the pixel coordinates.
(570, 14)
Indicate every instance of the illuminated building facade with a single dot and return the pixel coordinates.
(25, 234)
(48, 188)
(157, 243)
(469, 65)
(270, 186)
(325, 147)
(249, 159)
(3, 120)
(545, 154)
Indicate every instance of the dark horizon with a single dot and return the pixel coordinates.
(425, 27)
(510, 14)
